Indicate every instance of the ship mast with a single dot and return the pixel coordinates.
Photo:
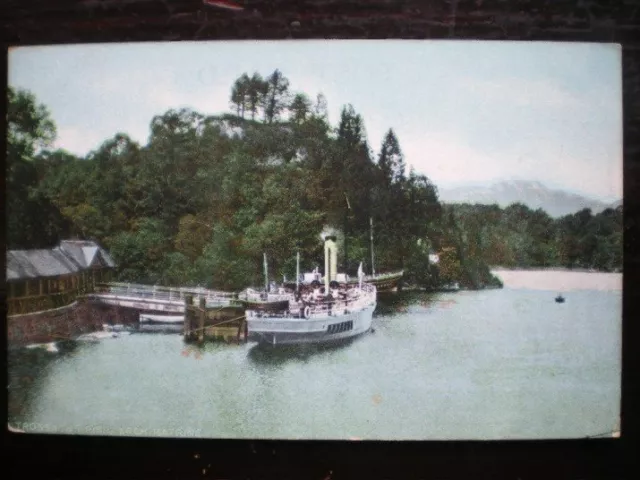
(373, 270)
(297, 271)
(346, 226)
(266, 275)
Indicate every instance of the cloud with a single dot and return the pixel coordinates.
(445, 159)
(522, 93)
(448, 161)
(579, 171)
(78, 140)
(127, 103)
(163, 97)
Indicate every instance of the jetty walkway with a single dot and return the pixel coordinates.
(157, 299)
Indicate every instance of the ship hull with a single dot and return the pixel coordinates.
(384, 282)
(162, 319)
(295, 331)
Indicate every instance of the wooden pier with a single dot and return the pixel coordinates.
(149, 298)
(222, 322)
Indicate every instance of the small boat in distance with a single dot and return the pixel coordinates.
(559, 299)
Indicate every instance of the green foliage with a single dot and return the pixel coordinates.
(29, 126)
(192, 236)
(391, 160)
(449, 268)
(140, 253)
(275, 97)
(240, 94)
(523, 238)
(207, 196)
(300, 108)
(32, 220)
(177, 270)
(87, 221)
(222, 264)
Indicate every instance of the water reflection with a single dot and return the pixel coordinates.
(487, 362)
(398, 303)
(390, 303)
(268, 355)
(27, 369)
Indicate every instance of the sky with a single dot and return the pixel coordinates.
(464, 112)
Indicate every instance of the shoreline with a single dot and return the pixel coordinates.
(416, 288)
(550, 269)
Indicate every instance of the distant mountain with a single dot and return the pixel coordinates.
(533, 194)
(615, 204)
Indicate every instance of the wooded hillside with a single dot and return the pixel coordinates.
(207, 195)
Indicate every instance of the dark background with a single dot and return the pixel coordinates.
(37, 22)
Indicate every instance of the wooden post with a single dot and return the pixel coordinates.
(201, 318)
(188, 309)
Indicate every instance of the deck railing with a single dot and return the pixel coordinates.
(356, 299)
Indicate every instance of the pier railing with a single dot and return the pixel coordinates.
(169, 294)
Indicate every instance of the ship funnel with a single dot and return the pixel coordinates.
(330, 260)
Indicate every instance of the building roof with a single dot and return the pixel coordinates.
(87, 253)
(70, 256)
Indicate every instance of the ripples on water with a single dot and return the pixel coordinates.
(507, 363)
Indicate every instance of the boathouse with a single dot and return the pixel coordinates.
(40, 280)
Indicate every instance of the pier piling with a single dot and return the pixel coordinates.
(203, 323)
(202, 315)
(188, 317)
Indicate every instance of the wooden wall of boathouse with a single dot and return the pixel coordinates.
(65, 323)
(39, 294)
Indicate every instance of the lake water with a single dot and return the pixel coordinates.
(496, 364)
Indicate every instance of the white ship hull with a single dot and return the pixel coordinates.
(316, 329)
(337, 311)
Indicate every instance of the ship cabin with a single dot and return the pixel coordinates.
(39, 280)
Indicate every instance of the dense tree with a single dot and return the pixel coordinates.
(275, 99)
(320, 109)
(391, 160)
(240, 94)
(171, 160)
(258, 88)
(29, 126)
(520, 237)
(193, 234)
(350, 174)
(32, 221)
(300, 108)
(140, 252)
